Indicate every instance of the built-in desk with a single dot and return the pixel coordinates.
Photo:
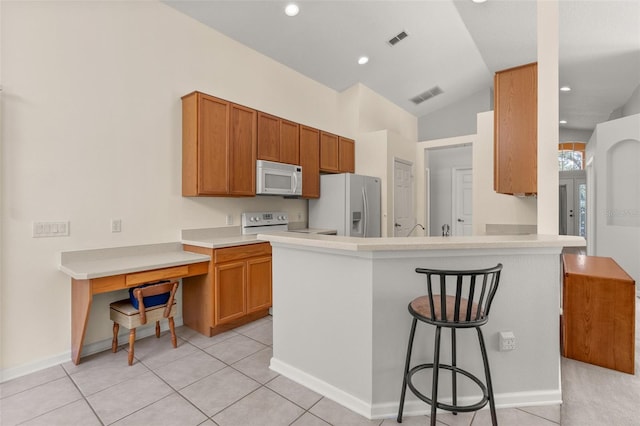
(104, 270)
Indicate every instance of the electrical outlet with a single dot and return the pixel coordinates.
(229, 219)
(507, 341)
(116, 225)
(50, 229)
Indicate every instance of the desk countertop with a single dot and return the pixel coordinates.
(97, 263)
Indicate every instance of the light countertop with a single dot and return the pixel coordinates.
(423, 243)
(232, 236)
(97, 263)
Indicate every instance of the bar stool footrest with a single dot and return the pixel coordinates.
(455, 408)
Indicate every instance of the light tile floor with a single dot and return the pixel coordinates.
(223, 380)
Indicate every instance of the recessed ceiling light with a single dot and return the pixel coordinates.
(478, 1)
(565, 89)
(363, 60)
(563, 121)
(292, 9)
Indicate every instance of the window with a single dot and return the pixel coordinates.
(571, 156)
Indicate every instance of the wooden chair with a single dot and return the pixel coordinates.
(124, 313)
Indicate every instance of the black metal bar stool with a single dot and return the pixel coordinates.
(465, 305)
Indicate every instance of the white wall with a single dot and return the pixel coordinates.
(574, 135)
(616, 152)
(382, 131)
(375, 153)
(441, 162)
(548, 113)
(489, 206)
(457, 119)
(92, 131)
(422, 162)
(632, 106)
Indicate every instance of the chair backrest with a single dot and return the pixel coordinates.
(153, 290)
(469, 294)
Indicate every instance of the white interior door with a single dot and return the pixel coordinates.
(462, 197)
(566, 207)
(403, 217)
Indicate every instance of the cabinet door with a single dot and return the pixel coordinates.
(268, 137)
(310, 161)
(516, 130)
(347, 155)
(205, 140)
(289, 142)
(230, 297)
(242, 151)
(258, 284)
(329, 153)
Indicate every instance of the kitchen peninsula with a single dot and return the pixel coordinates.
(340, 320)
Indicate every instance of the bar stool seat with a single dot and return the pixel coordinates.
(454, 299)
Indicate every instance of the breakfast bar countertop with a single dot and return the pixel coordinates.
(423, 243)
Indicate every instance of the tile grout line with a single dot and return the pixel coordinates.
(83, 396)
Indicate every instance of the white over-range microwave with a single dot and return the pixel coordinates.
(278, 178)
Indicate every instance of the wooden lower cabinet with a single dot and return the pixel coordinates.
(230, 295)
(598, 312)
(236, 289)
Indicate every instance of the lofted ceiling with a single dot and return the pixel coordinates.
(455, 45)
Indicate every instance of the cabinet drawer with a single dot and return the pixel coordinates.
(241, 252)
(156, 275)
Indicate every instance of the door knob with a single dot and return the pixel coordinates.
(460, 220)
(397, 225)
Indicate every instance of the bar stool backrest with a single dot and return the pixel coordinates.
(468, 295)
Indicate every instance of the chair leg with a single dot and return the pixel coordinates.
(132, 339)
(406, 369)
(454, 382)
(114, 342)
(172, 328)
(157, 328)
(436, 367)
(485, 360)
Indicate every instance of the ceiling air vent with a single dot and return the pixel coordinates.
(434, 91)
(398, 38)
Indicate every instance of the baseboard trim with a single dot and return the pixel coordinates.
(412, 407)
(7, 374)
(323, 388)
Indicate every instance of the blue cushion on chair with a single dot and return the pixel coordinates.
(149, 301)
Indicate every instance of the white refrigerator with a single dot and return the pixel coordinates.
(348, 203)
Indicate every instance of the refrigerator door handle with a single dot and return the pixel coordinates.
(365, 212)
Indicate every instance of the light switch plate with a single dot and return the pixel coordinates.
(50, 229)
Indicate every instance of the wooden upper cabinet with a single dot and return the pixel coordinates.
(310, 161)
(516, 130)
(218, 147)
(278, 139)
(242, 151)
(289, 142)
(346, 155)
(329, 153)
(268, 137)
